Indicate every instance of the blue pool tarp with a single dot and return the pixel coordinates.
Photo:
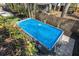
(46, 34)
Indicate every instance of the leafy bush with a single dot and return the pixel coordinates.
(18, 9)
(15, 34)
(31, 50)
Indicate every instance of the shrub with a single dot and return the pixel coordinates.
(15, 34)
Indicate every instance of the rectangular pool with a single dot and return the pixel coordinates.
(46, 34)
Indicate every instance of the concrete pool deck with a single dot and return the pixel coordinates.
(66, 48)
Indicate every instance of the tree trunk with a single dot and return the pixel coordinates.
(65, 9)
(29, 12)
(34, 10)
(76, 7)
(55, 7)
(50, 7)
(25, 7)
(59, 6)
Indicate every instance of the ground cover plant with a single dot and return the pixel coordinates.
(12, 41)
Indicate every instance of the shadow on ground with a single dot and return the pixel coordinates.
(12, 48)
(75, 35)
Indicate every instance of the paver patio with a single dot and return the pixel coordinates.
(66, 48)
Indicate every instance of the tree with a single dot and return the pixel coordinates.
(55, 6)
(31, 10)
(65, 9)
(64, 12)
(50, 7)
(34, 9)
(59, 6)
(26, 8)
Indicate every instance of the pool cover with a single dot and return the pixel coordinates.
(46, 34)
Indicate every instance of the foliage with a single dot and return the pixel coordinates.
(23, 10)
(31, 50)
(1, 21)
(19, 9)
(15, 34)
(72, 8)
(46, 18)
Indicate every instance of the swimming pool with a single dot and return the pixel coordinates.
(46, 34)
